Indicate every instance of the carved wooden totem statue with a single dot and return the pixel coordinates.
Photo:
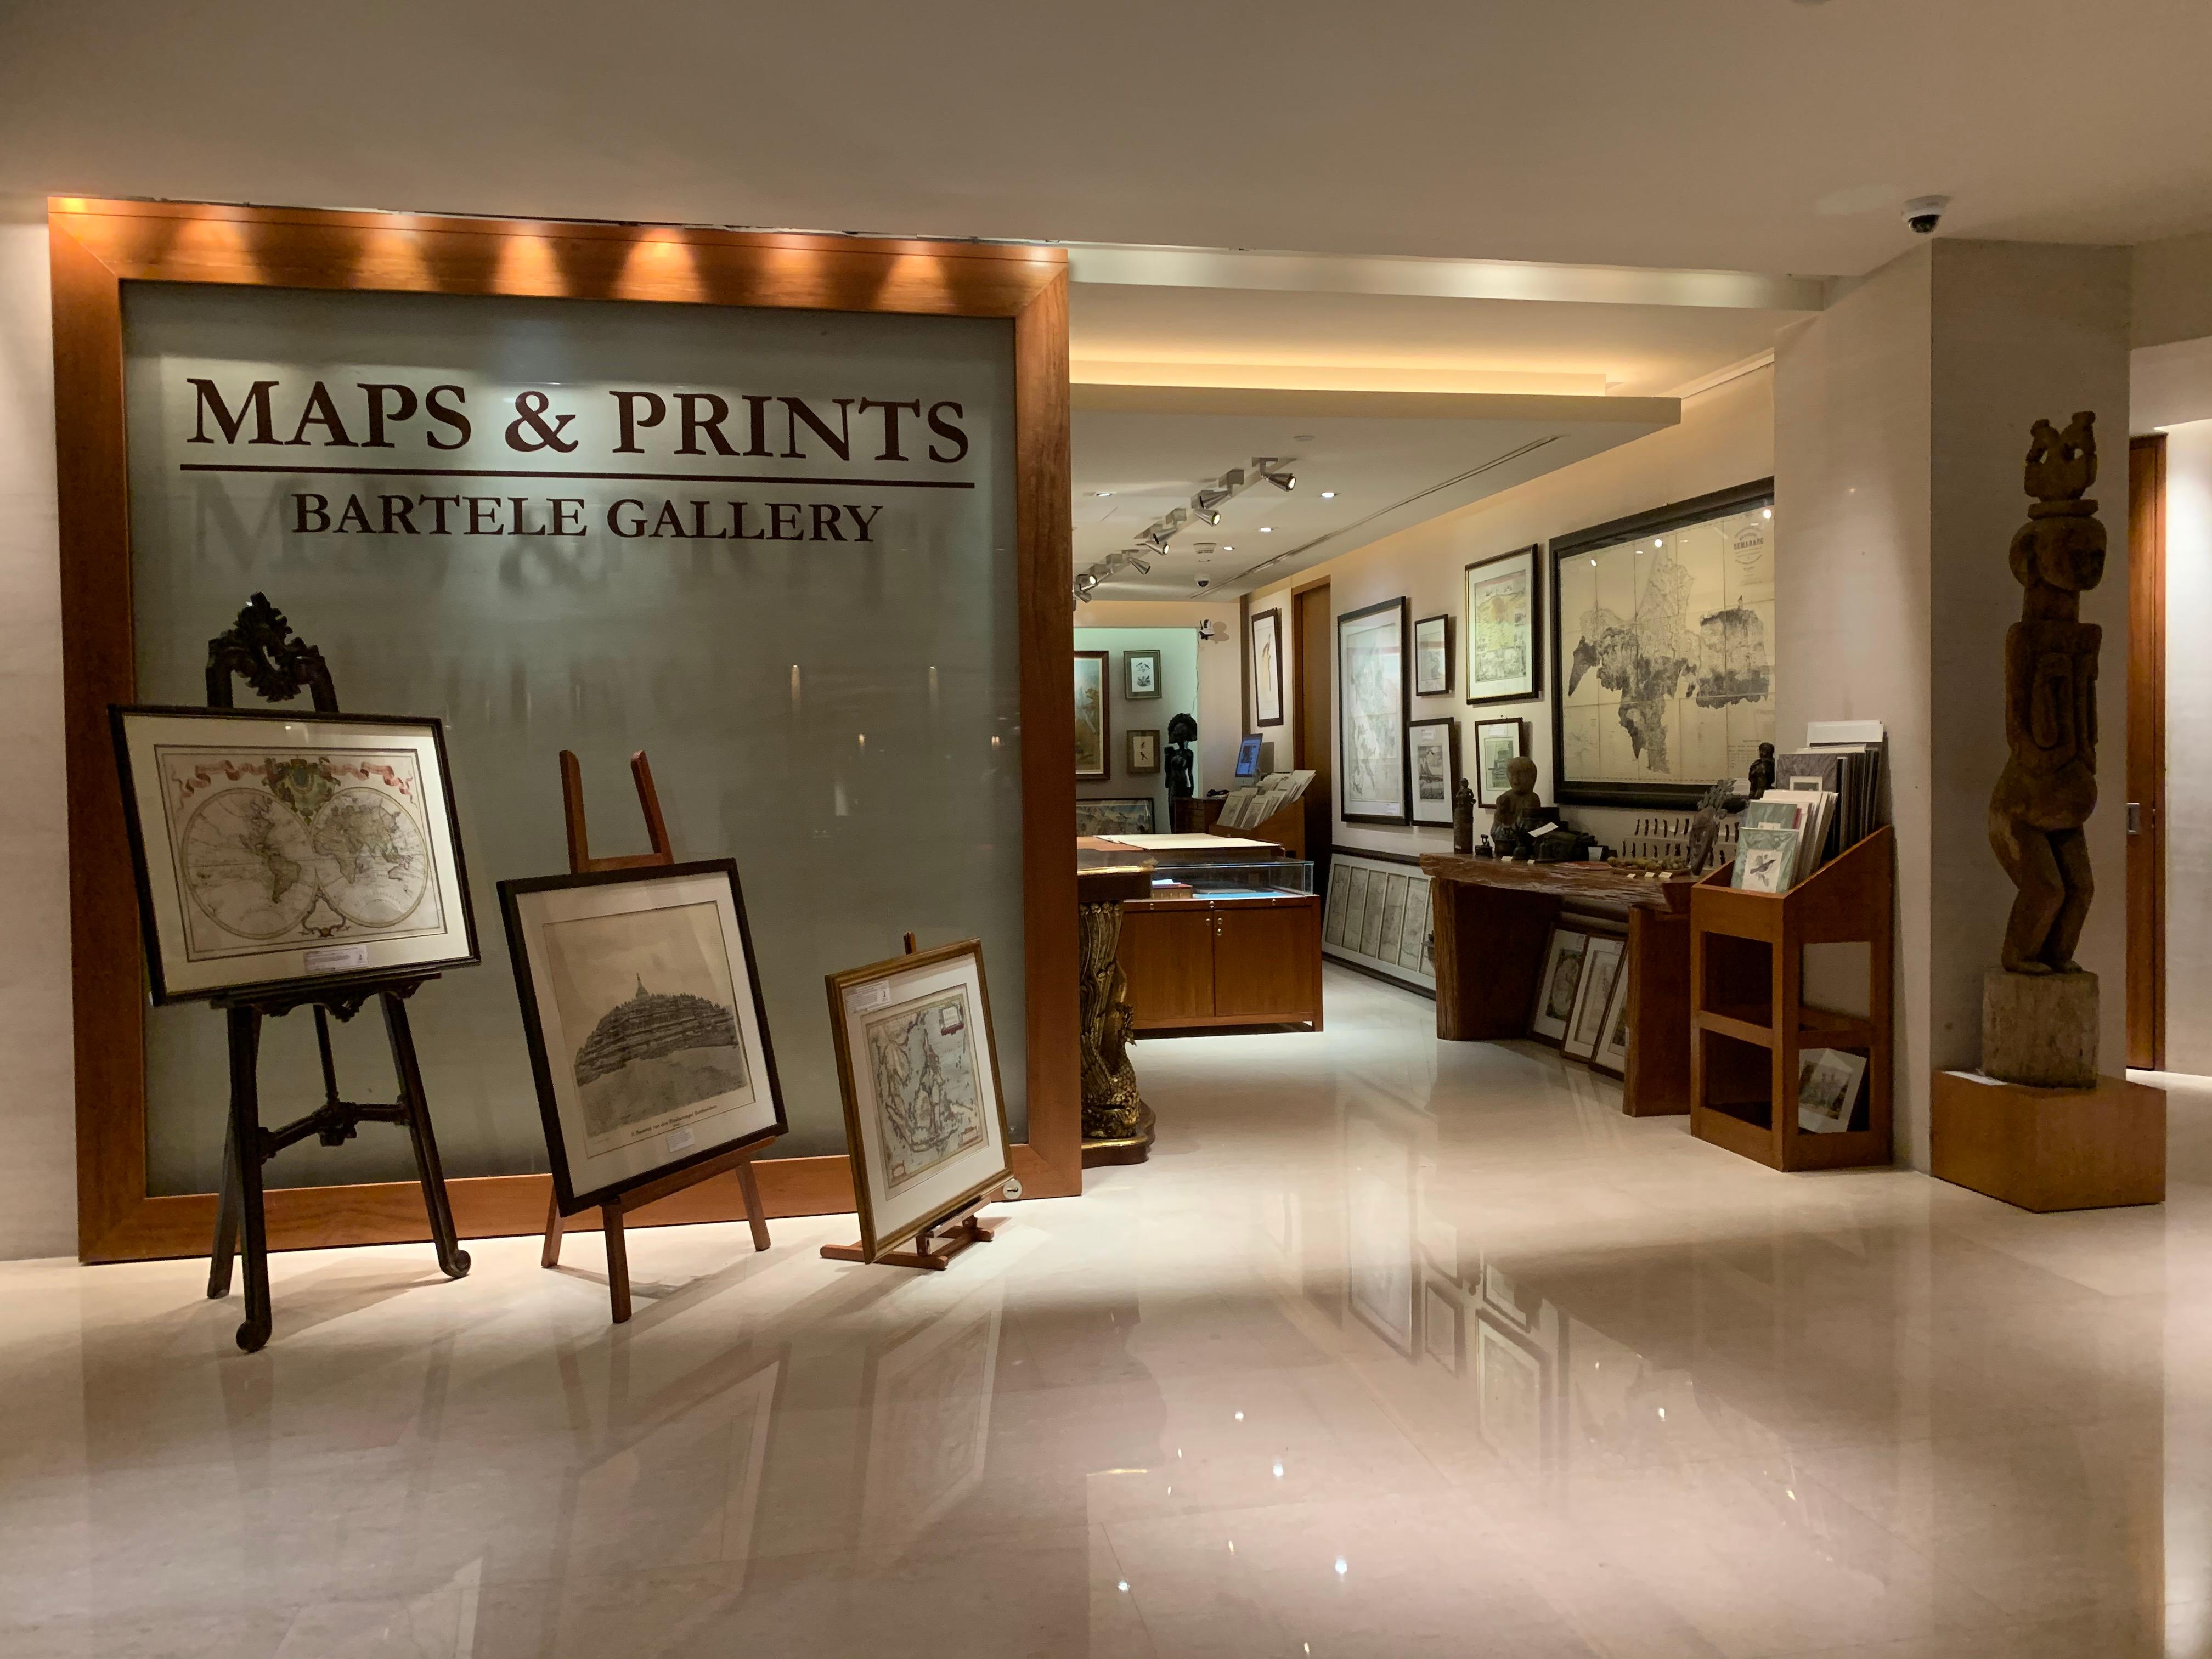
(2049, 787)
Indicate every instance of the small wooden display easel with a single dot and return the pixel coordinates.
(738, 1160)
(939, 1241)
(261, 647)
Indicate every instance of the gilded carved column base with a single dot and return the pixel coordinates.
(1117, 1122)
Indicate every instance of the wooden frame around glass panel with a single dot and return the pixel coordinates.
(97, 245)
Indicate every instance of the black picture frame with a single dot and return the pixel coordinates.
(318, 984)
(1484, 795)
(1131, 764)
(1404, 813)
(1675, 515)
(1451, 784)
(1533, 554)
(1273, 620)
(572, 1202)
(1443, 620)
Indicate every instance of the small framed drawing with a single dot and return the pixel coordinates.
(1555, 990)
(275, 849)
(1267, 668)
(1601, 961)
(1432, 660)
(924, 1124)
(1144, 751)
(1141, 675)
(1435, 745)
(1094, 717)
(1611, 1055)
(1120, 815)
(1444, 1325)
(647, 1034)
(1500, 627)
(1371, 698)
(1497, 744)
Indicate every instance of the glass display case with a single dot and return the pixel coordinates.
(1243, 877)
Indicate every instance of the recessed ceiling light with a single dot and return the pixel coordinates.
(1328, 495)
(1267, 530)
(1229, 547)
(1101, 494)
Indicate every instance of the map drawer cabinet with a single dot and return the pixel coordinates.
(1195, 964)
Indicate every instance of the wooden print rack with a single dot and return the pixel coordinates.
(739, 1160)
(278, 664)
(939, 1241)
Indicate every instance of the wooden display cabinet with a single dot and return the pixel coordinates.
(1750, 1021)
(1222, 960)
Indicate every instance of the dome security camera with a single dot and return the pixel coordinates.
(1206, 581)
(1923, 213)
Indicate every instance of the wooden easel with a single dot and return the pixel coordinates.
(738, 1160)
(940, 1240)
(261, 647)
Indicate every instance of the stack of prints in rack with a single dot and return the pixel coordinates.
(1251, 807)
(1843, 760)
(1781, 838)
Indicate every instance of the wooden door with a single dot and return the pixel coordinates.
(1169, 957)
(1265, 962)
(1313, 702)
(2146, 807)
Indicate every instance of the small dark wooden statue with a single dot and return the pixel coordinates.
(1463, 817)
(2049, 787)
(1762, 772)
(1183, 731)
(1519, 802)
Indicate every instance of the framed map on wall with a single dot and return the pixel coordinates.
(1500, 628)
(1370, 701)
(1662, 650)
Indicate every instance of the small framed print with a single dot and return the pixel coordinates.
(1601, 964)
(1267, 668)
(648, 1036)
(1555, 991)
(1094, 717)
(1497, 744)
(1141, 675)
(1435, 746)
(1611, 1055)
(1500, 627)
(1432, 660)
(925, 1123)
(277, 849)
(1144, 751)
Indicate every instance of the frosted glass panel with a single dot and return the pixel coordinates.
(774, 549)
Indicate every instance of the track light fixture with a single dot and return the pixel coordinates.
(1284, 481)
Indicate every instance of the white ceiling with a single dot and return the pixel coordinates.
(1391, 460)
(1756, 135)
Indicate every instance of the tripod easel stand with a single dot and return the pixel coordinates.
(939, 1241)
(737, 1161)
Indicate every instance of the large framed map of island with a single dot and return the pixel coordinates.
(917, 1063)
(1662, 660)
(273, 850)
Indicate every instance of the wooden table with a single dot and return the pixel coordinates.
(1492, 919)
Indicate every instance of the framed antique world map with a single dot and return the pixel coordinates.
(271, 847)
(1662, 660)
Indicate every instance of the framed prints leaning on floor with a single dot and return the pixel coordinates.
(648, 1036)
(1555, 991)
(925, 1123)
(274, 849)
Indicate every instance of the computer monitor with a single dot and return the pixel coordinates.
(1256, 758)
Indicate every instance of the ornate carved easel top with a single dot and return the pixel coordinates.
(261, 648)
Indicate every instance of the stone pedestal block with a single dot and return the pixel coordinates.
(2049, 1149)
(2040, 1029)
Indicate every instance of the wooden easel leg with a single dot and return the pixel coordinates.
(611, 1218)
(748, 1186)
(550, 1257)
(245, 1145)
(226, 1220)
(453, 1260)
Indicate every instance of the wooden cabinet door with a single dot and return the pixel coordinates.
(1266, 962)
(1169, 957)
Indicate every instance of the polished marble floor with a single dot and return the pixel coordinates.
(1395, 1348)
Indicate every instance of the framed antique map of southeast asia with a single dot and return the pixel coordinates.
(1662, 663)
(925, 1123)
(1370, 687)
(1500, 628)
(272, 848)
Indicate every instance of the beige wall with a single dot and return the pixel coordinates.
(1726, 437)
(2188, 748)
(1902, 415)
(37, 1114)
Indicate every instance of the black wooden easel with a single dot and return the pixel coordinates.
(259, 648)
(738, 1160)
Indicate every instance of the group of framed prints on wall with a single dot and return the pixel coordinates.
(1581, 998)
(1094, 714)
